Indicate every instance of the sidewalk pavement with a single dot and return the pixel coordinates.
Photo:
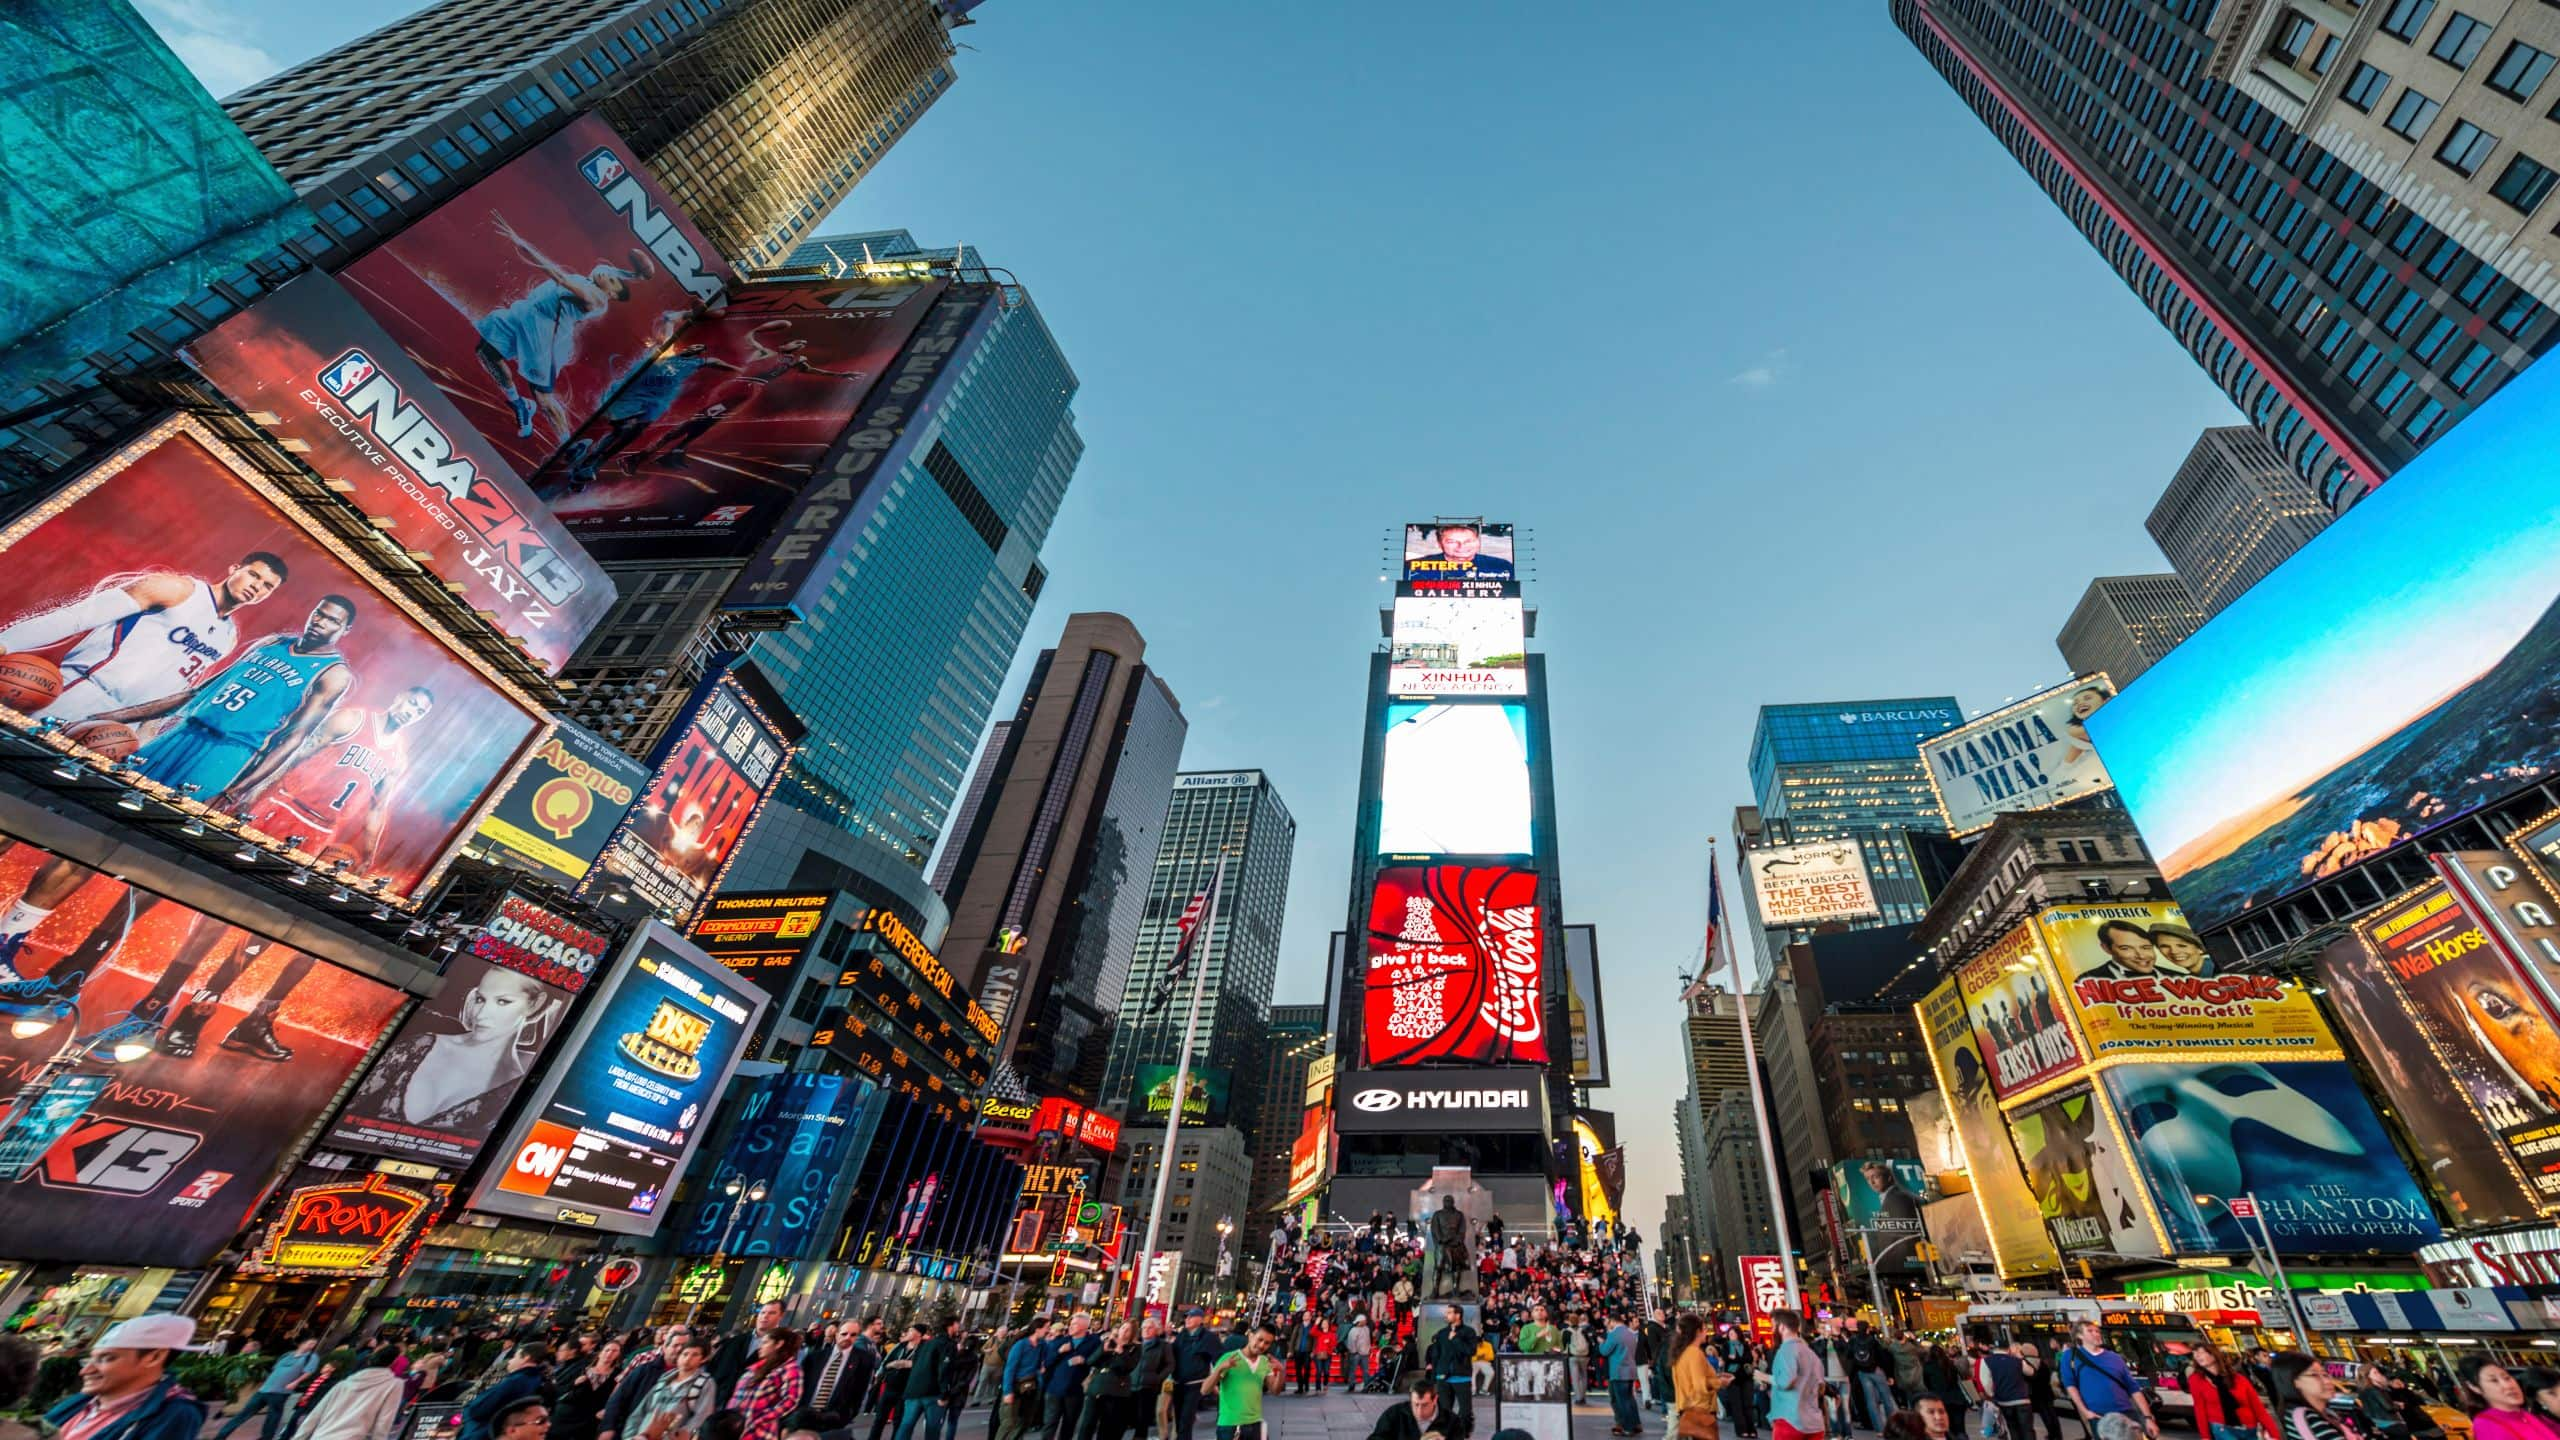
(1337, 1416)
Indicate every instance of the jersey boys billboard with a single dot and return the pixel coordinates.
(532, 296)
(1456, 967)
(166, 611)
(381, 433)
(183, 1143)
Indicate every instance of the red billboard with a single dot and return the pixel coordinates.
(1456, 967)
(253, 1040)
(707, 445)
(724, 755)
(1764, 1292)
(311, 366)
(532, 296)
(167, 610)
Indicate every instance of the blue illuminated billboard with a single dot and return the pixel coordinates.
(2400, 671)
(1457, 780)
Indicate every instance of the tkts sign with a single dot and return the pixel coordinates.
(1764, 1292)
(1456, 967)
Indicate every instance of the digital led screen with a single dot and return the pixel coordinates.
(763, 936)
(1456, 967)
(2396, 673)
(1204, 1094)
(1446, 646)
(1458, 557)
(722, 757)
(602, 1142)
(1457, 780)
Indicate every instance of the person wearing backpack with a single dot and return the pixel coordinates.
(2002, 1383)
(2103, 1391)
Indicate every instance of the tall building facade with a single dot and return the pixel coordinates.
(1051, 882)
(2125, 623)
(981, 779)
(1212, 1183)
(2347, 327)
(2447, 109)
(1239, 815)
(758, 115)
(2233, 513)
(1849, 770)
(1295, 1037)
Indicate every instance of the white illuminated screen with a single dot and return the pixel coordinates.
(1450, 646)
(1457, 781)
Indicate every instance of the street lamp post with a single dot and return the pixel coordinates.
(740, 1195)
(2244, 1208)
(124, 1042)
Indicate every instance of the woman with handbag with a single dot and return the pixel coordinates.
(2227, 1404)
(1694, 1381)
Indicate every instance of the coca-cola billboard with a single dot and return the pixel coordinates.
(1456, 967)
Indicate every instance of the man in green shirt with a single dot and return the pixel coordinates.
(1537, 1337)
(1239, 1380)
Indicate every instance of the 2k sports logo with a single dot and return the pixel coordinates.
(116, 1157)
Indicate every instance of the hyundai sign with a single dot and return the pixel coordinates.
(1387, 1102)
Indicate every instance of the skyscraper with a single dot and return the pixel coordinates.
(981, 779)
(1275, 1089)
(1052, 879)
(2124, 623)
(2233, 513)
(2348, 329)
(1850, 770)
(1239, 814)
(758, 115)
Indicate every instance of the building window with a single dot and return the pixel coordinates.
(2459, 42)
(2365, 87)
(2437, 337)
(2523, 184)
(2410, 115)
(2520, 71)
(2406, 18)
(2466, 148)
(2467, 375)
(2423, 423)
(2392, 389)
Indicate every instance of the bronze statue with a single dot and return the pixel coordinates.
(1453, 1268)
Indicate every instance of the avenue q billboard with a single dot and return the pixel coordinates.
(2032, 755)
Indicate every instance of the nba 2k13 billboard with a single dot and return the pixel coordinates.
(164, 610)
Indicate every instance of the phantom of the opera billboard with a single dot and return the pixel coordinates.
(2032, 755)
(170, 1159)
(534, 295)
(1456, 967)
(2361, 696)
(166, 611)
(311, 366)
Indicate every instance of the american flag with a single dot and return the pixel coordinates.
(1715, 922)
(1178, 969)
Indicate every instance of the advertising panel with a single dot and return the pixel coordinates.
(1764, 1293)
(1457, 780)
(602, 1141)
(164, 608)
(1472, 1101)
(532, 296)
(2474, 1174)
(553, 818)
(1586, 1019)
(343, 1225)
(2297, 1135)
(183, 1142)
(1456, 967)
(311, 366)
(698, 455)
(808, 542)
(2142, 985)
(2484, 1021)
(1458, 558)
(441, 1085)
(1881, 1199)
(762, 935)
(796, 1136)
(1204, 1094)
(2503, 893)
(2075, 1164)
(2033, 755)
(2009, 1208)
(720, 759)
(1810, 884)
(1446, 646)
(2351, 701)
(2008, 992)
(907, 1023)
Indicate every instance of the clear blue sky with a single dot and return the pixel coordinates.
(1805, 389)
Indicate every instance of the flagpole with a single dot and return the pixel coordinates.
(1759, 1107)
(1181, 1092)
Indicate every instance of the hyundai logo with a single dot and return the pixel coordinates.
(1376, 1102)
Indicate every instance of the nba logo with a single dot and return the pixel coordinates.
(347, 372)
(601, 169)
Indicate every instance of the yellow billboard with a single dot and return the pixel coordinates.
(2010, 1212)
(2139, 985)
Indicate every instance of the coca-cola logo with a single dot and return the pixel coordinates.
(1515, 1010)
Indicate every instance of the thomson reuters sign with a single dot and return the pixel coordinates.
(1386, 1101)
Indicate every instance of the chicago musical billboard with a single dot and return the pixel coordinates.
(2350, 701)
(720, 760)
(601, 1142)
(534, 295)
(555, 816)
(255, 1037)
(1448, 646)
(1457, 780)
(1456, 967)
(310, 365)
(168, 610)
(2032, 755)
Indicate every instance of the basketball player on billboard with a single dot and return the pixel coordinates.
(335, 794)
(535, 336)
(639, 404)
(765, 364)
(243, 721)
(140, 640)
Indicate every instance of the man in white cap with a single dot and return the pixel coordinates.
(125, 1389)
